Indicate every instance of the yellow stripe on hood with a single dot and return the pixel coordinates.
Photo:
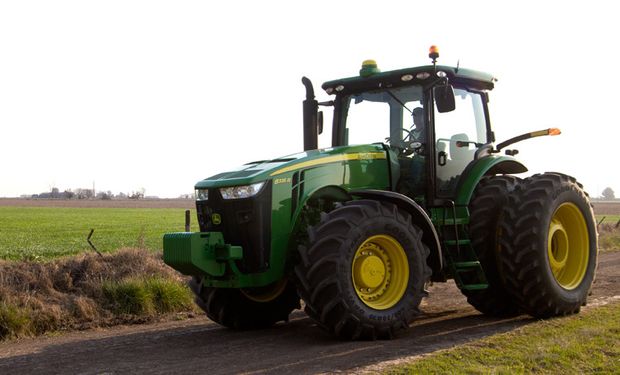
(332, 159)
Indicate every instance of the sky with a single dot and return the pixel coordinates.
(157, 95)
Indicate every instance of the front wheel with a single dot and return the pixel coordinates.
(548, 245)
(247, 308)
(363, 273)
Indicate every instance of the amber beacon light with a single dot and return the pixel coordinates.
(433, 52)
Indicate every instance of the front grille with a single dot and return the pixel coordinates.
(243, 222)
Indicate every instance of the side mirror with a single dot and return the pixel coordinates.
(444, 98)
(319, 122)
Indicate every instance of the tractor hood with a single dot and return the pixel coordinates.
(268, 169)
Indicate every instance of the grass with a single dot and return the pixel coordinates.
(41, 233)
(145, 296)
(14, 321)
(169, 296)
(585, 343)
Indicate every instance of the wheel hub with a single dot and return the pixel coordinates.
(380, 272)
(558, 248)
(371, 271)
(568, 246)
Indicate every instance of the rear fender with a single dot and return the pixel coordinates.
(486, 166)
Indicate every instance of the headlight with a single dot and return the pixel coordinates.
(202, 194)
(239, 192)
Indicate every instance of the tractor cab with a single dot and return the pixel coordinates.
(430, 139)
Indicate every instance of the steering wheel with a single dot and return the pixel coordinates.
(407, 142)
(409, 135)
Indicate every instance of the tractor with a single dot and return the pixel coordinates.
(413, 190)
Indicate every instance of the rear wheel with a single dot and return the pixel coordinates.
(549, 245)
(247, 308)
(363, 273)
(486, 205)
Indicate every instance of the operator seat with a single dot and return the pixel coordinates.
(457, 160)
(460, 156)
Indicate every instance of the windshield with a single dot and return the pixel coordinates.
(383, 116)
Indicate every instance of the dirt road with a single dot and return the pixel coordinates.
(297, 347)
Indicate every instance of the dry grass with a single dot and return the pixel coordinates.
(609, 237)
(86, 291)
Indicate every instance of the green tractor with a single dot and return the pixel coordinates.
(413, 190)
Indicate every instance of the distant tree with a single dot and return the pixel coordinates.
(68, 194)
(55, 193)
(137, 194)
(609, 194)
(104, 195)
(84, 193)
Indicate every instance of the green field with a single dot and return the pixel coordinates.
(607, 219)
(33, 233)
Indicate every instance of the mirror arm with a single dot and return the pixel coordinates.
(523, 137)
(436, 82)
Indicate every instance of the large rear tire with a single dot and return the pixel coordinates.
(548, 245)
(488, 200)
(247, 308)
(362, 275)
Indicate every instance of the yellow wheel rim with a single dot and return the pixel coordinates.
(568, 246)
(380, 272)
(267, 293)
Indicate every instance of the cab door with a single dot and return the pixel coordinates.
(458, 134)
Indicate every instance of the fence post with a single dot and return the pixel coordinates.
(599, 223)
(187, 219)
(91, 244)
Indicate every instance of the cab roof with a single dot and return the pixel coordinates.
(404, 77)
